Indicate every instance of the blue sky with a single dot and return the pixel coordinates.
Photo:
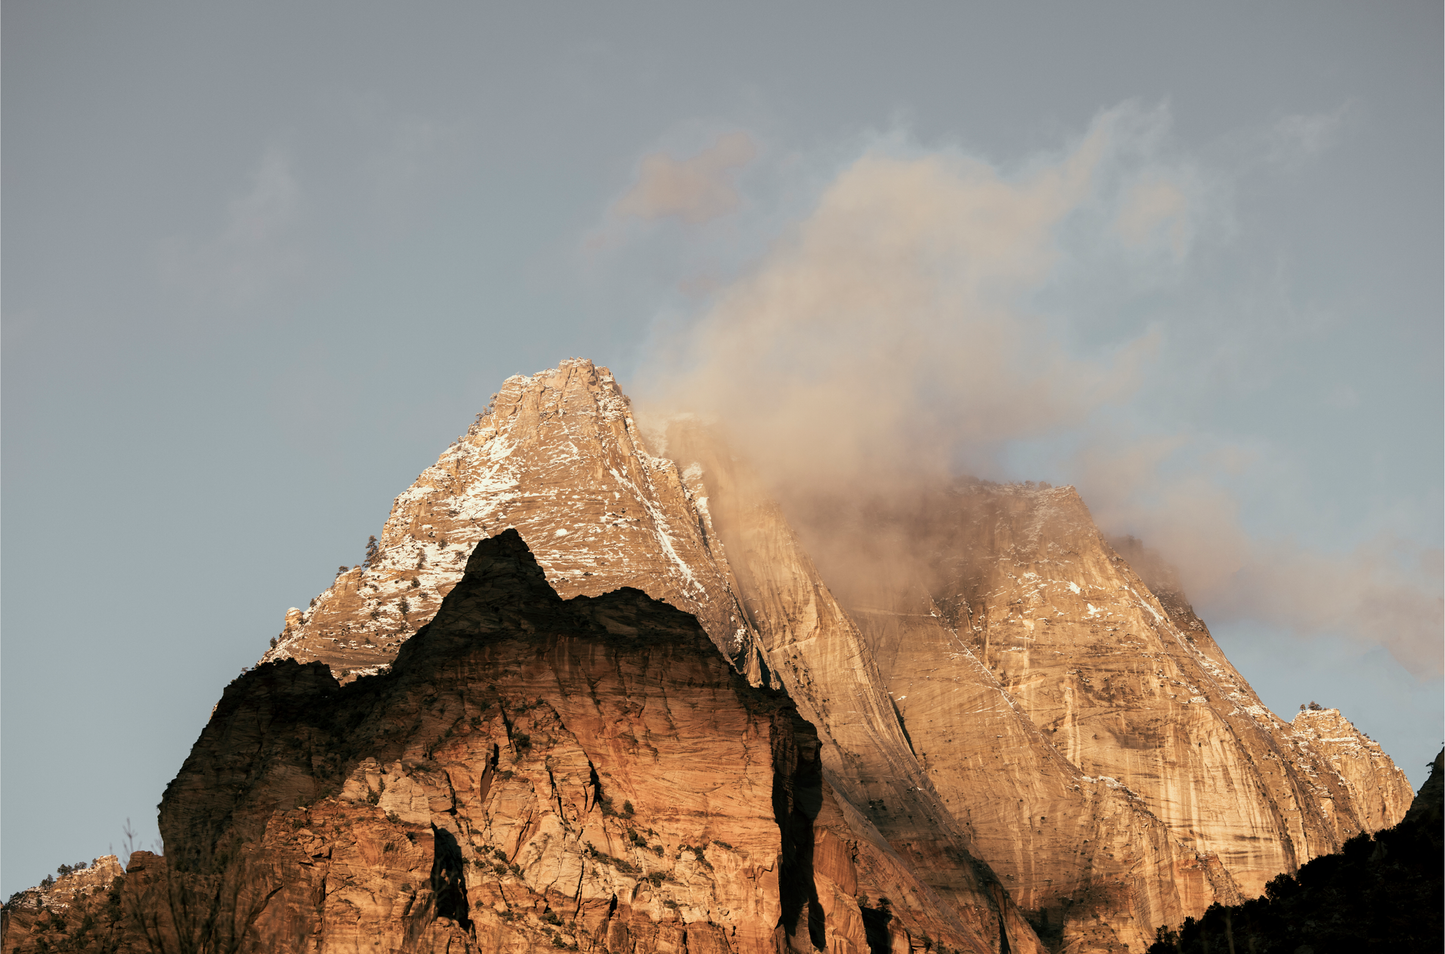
(262, 262)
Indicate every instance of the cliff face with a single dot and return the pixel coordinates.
(816, 652)
(531, 773)
(1379, 893)
(1127, 687)
(1350, 772)
(989, 678)
(996, 735)
(1001, 615)
(925, 737)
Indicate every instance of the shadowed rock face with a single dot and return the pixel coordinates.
(534, 770)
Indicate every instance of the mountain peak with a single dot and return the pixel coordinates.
(558, 457)
(997, 689)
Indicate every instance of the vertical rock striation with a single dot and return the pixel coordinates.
(996, 691)
(1128, 688)
(819, 656)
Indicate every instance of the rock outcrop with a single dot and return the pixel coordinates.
(78, 911)
(1001, 731)
(989, 677)
(532, 773)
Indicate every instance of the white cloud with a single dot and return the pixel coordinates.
(892, 332)
(1386, 592)
(885, 334)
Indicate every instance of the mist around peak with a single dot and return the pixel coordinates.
(933, 312)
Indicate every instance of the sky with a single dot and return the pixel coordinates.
(262, 262)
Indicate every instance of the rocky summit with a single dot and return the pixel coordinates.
(558, 456)
(600, 690)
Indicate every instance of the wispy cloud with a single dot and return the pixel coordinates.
(885, 335)
(1385, 591)
(1155, 207)
(694, 190)
(1301, 136)
(256, 250)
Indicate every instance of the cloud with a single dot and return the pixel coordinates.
(1385, 591)
(1152, 207)
(255, 252)
(1302, 136)
(887, 341)
(884, 334)
(694, 190)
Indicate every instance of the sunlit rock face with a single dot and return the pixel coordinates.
(1045, 686)
(1127, 687)
(68, 910)
(558, 457)
(1349, 763)
(996, 693)
(925, 738)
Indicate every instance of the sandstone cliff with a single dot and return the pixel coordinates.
(989, 677)
(994, 607)
(1007, 732)
(1377, 894)
(924, 736)
(531, 774)
(1129, 690)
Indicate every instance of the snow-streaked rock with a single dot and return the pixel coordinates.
(557, 456)
(1011, 692)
